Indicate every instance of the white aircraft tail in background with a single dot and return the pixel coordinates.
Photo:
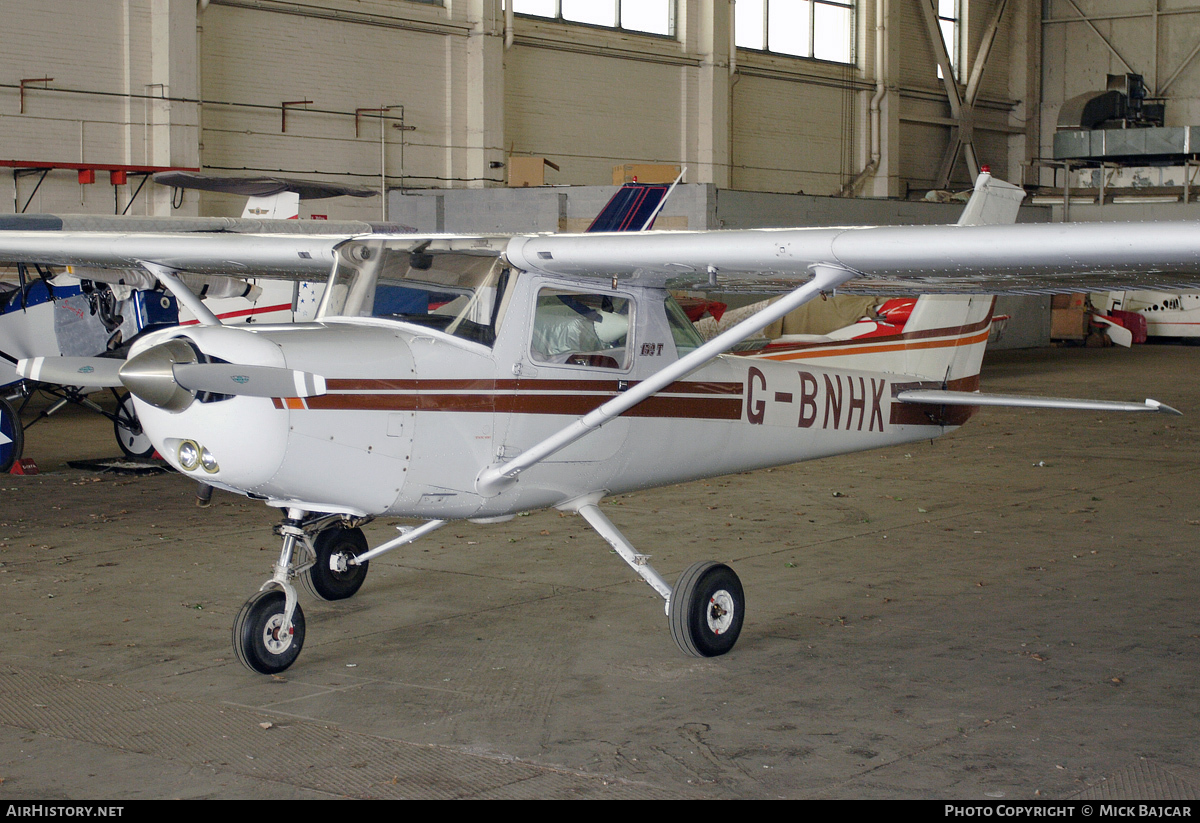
(282, 206)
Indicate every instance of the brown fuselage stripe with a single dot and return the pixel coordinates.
(528, 396)
(484, 399)
(529, 384)
(710, 408)
(881, 346)
(932, 414)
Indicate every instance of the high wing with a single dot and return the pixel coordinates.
(127, 224)
(301, 256)
(1029, 258)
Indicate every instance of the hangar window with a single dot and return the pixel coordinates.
(649, 16)
(818, 29)
(949, 18)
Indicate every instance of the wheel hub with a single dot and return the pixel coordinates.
(720, 612)
(276, 637)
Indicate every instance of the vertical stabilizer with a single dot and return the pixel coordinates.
(946, 335)
(282, 206)
(993, 203)
(631, 207)
(964, 319)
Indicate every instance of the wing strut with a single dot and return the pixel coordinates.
(182, 293)
(495, 478)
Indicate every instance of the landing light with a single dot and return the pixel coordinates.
(189, 455)
(208, 462)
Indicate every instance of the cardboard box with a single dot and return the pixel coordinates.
(1068, 324)
(528, 171)
(644, 173)
(1068, 301)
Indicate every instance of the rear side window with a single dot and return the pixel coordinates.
(581, 329)
(683, 331)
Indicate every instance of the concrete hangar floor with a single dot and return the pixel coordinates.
(1008, 612)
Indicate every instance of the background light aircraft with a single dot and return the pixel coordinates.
(82, 312)
(92, 311)
(1167, 314)
(449, 377)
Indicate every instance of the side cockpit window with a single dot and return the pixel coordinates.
(581, 329)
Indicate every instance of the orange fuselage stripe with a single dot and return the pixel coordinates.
(880, 349)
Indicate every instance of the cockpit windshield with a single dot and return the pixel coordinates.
(456, 286)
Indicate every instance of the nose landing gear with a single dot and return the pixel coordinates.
(329, 554)
(265, 640)
(268, 633)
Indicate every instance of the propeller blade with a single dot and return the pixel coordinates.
(73, 371)
(251, 381)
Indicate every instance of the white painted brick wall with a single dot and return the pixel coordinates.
(577, 98)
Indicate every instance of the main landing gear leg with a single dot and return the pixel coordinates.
(268, 632)
(705, 609)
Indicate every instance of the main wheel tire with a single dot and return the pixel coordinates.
(706, 609)
(260, 639)
(12, 436)
(333, 547)
(128, 430)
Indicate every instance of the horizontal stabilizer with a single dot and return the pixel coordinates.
(248, 381)
(958, 398)
(73, 371)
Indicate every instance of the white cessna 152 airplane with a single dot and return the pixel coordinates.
(480, 377)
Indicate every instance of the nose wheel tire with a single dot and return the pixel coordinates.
(128, 430)
(262, 642)
(331, 577)
(706, 609)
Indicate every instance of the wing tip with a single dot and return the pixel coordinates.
(1162, 407)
